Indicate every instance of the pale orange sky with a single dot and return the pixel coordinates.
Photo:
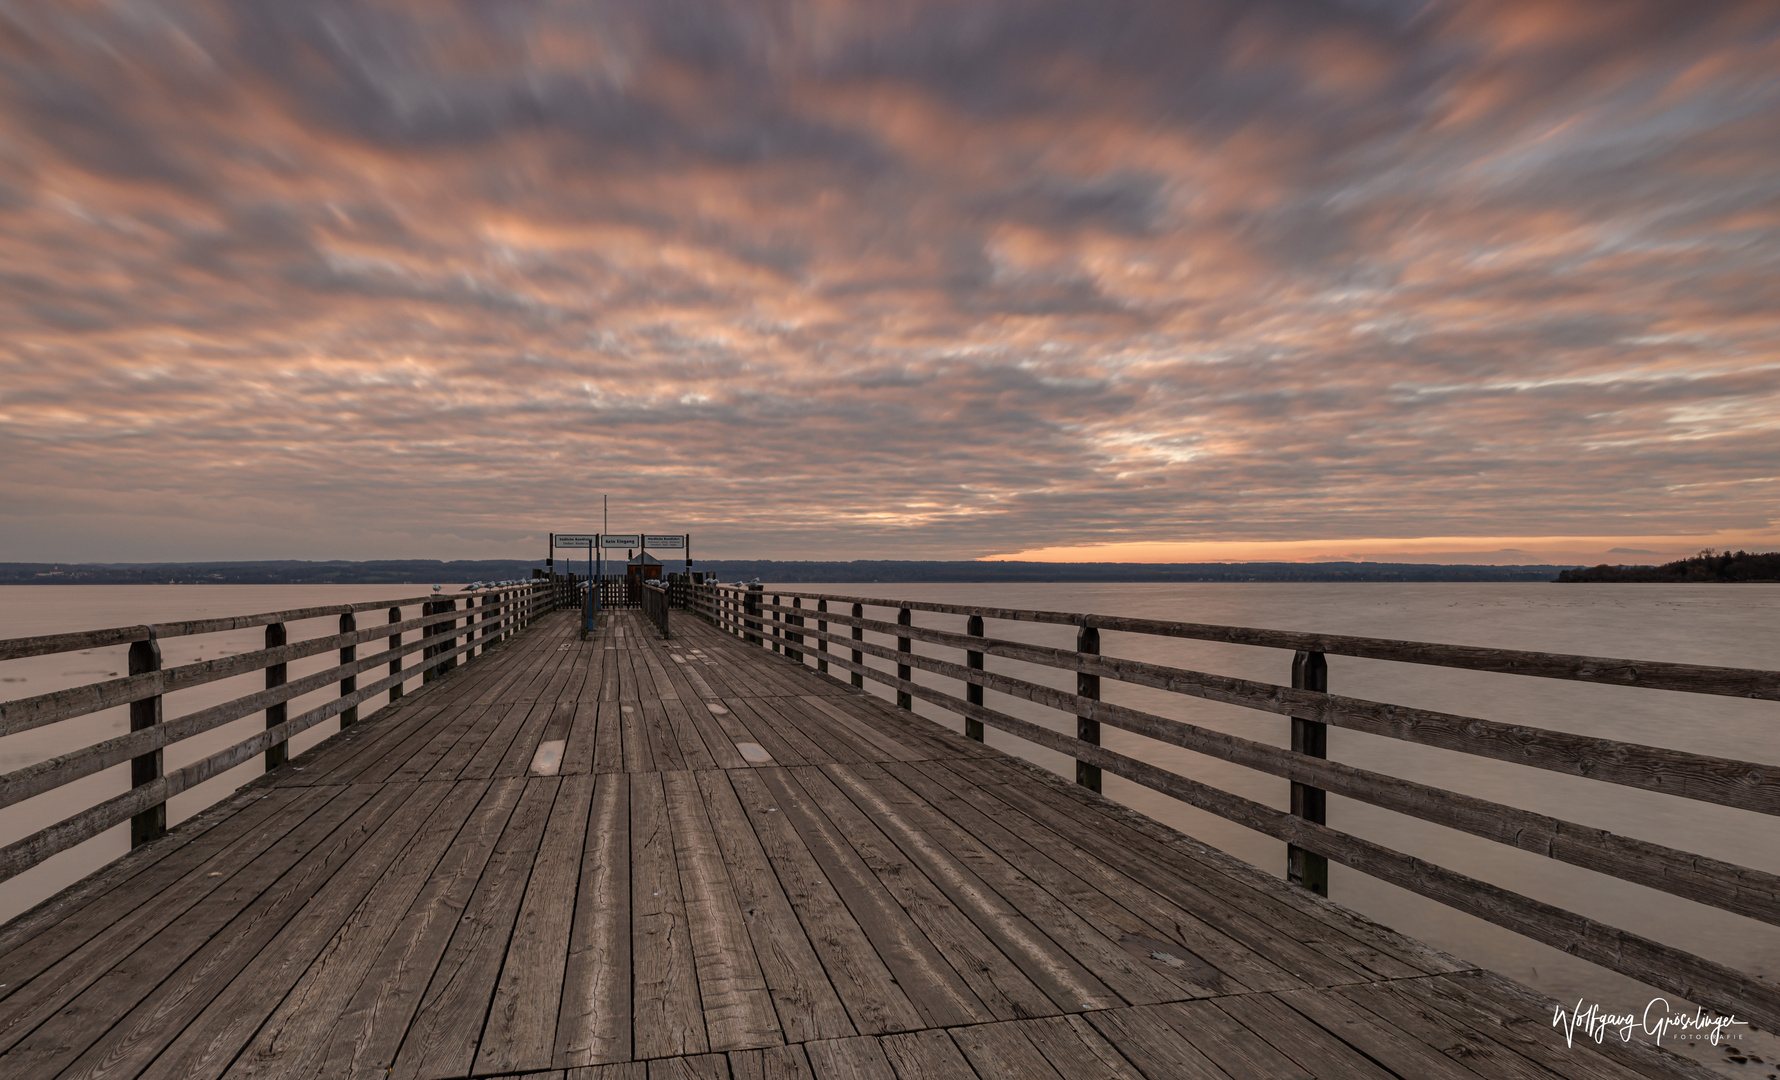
(1480, 550)
(1120, 279)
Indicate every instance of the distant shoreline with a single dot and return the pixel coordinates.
(430, 571)
(1708, 567)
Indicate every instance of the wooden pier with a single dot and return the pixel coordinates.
(619, 855)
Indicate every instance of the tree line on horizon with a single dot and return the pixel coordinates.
(1707, 566)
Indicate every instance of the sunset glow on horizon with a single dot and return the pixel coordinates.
(1033, 279)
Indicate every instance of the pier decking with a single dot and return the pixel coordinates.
(624, 857)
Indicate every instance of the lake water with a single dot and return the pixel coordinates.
(1722, 625)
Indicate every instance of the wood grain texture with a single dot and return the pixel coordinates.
(594, 1024)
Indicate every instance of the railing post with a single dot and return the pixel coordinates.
(973, 692)
(751, 606)
(821, 643)
(145, 656)
(858, 657)
(279, 752)
(349, 684)
(451, 635)
(395, 643)
(778, 623)
(795, 620)
(1087, 642)
(904, 617)
(427, 674)
(1310, 671)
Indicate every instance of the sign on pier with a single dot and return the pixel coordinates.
(619, 540)
(664, 543)
(566, 540)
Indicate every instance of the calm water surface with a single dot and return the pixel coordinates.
(1725, 625)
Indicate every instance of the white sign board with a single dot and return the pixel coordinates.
(664, 543)
(615, 540)
(566, 540)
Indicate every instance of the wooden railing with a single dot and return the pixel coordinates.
(445, 635)
(784, 628)
(656, 602)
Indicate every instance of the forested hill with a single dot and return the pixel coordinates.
(432, 571)
(1706, 566)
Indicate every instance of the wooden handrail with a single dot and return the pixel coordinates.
(1649, 674)
(1742, 890)
(24, 714)
(501, 613)
(16, 648)
(1725, 781)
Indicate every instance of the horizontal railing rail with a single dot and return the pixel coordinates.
(447, 633)
(767, 619)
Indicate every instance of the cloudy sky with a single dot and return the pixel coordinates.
(1090, 278)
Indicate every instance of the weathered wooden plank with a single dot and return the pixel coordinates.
(518, 758)
(295, 1034)
(738, 1009)
(664, 741)
(859, 1058)
(665, 1008)
(1247, 917)
(1253, 913)
(925, 1055)
(183, 972)
(874, 1000)
(578, 754)
(694, 1067)
(1228, 1044)
(1076, 1050)
(693, 749)
(608, 739)
(1507, 998)
(804, 750)
(370, 1030)
(772, 1063)
(442, 1039)
(1004, 1050)
(594, 1022)
(746, 713)
(718, 743)
(1235, 880)
(450, 765)
(1308, 1045)
(1003, 907)
(1468, 1046)
(626, 1070)
(887, 745)
(808, 1007)
(520, 1032)
(47, 970)
(1395, 1049)
(1103, 896)
(934, 987)
(1141, 1036)
(1091, 943)
(209, 1040)
(1003, 987)
(639, 751)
